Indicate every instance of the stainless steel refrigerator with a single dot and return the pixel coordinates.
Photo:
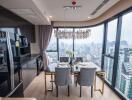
(10, 71)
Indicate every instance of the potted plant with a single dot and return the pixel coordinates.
(71, 57)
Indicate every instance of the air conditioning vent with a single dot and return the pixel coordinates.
(99, 7)
(23, 11)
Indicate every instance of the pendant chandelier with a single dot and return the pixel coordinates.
(65, 33)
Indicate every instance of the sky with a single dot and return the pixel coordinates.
(127, 28)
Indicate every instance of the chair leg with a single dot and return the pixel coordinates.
(76, 83)
(68, 90)
(56, 91)
(75, 80)
(80, 91)
(52, 82)
(91, 91)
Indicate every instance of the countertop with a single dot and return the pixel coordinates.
(23, 61)
(18, 99)
(29, 58)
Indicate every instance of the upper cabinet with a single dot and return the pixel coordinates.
(28, 31)
(11, 20)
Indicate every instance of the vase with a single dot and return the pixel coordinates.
(70, 61)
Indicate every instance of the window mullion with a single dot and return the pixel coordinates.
(57, 48)
(104, 44)
(116, 54)
(73, 42)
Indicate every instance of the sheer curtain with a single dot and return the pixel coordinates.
(45, 32)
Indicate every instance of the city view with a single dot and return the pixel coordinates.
(124, 74)
(90, 49)
(66, 49)
(124, 68)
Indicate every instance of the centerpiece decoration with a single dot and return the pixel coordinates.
(71, 57)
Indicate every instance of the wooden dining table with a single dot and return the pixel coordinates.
(50, 70)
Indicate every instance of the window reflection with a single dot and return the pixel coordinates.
(111, 37)
(124, 74)
(90, 48)
(110, 49)
(108, 63)
(65, 45)
(10, 30)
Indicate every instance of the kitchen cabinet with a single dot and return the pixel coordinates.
(29, 72)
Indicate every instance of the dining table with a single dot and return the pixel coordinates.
(75, 70)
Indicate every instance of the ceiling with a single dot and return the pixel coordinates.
(31, 10)
(38, 11)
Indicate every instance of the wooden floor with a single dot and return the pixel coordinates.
(36, 90)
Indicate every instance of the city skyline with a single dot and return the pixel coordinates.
(91, 49)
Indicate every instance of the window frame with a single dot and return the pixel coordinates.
(104, 54)
(117, 47)
(117, 44)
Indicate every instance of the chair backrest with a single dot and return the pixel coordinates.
(79, 59)
(64, 59)
(62, 76)
(86, 76)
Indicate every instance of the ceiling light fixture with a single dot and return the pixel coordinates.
(74, 2)
(80, 34)
(74, 6)
(48, 19)
(50, 16)
(68, 34)
(89, 17)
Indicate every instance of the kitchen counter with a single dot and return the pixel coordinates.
(30, 69)
(26, 59)
(18, 99)
(24, 72)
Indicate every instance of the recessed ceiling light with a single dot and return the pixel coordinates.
(89, 17)
(50, 16)
(48, 19)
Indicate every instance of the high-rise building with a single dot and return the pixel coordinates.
(125, 72)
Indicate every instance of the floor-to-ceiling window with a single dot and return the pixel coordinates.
(82, 47)
(65, 44)
(110, 49)
(124, 72)
(90, 48)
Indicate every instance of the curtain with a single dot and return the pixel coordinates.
(45, 32)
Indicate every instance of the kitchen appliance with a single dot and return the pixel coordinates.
(10, 71)
(23, 41)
